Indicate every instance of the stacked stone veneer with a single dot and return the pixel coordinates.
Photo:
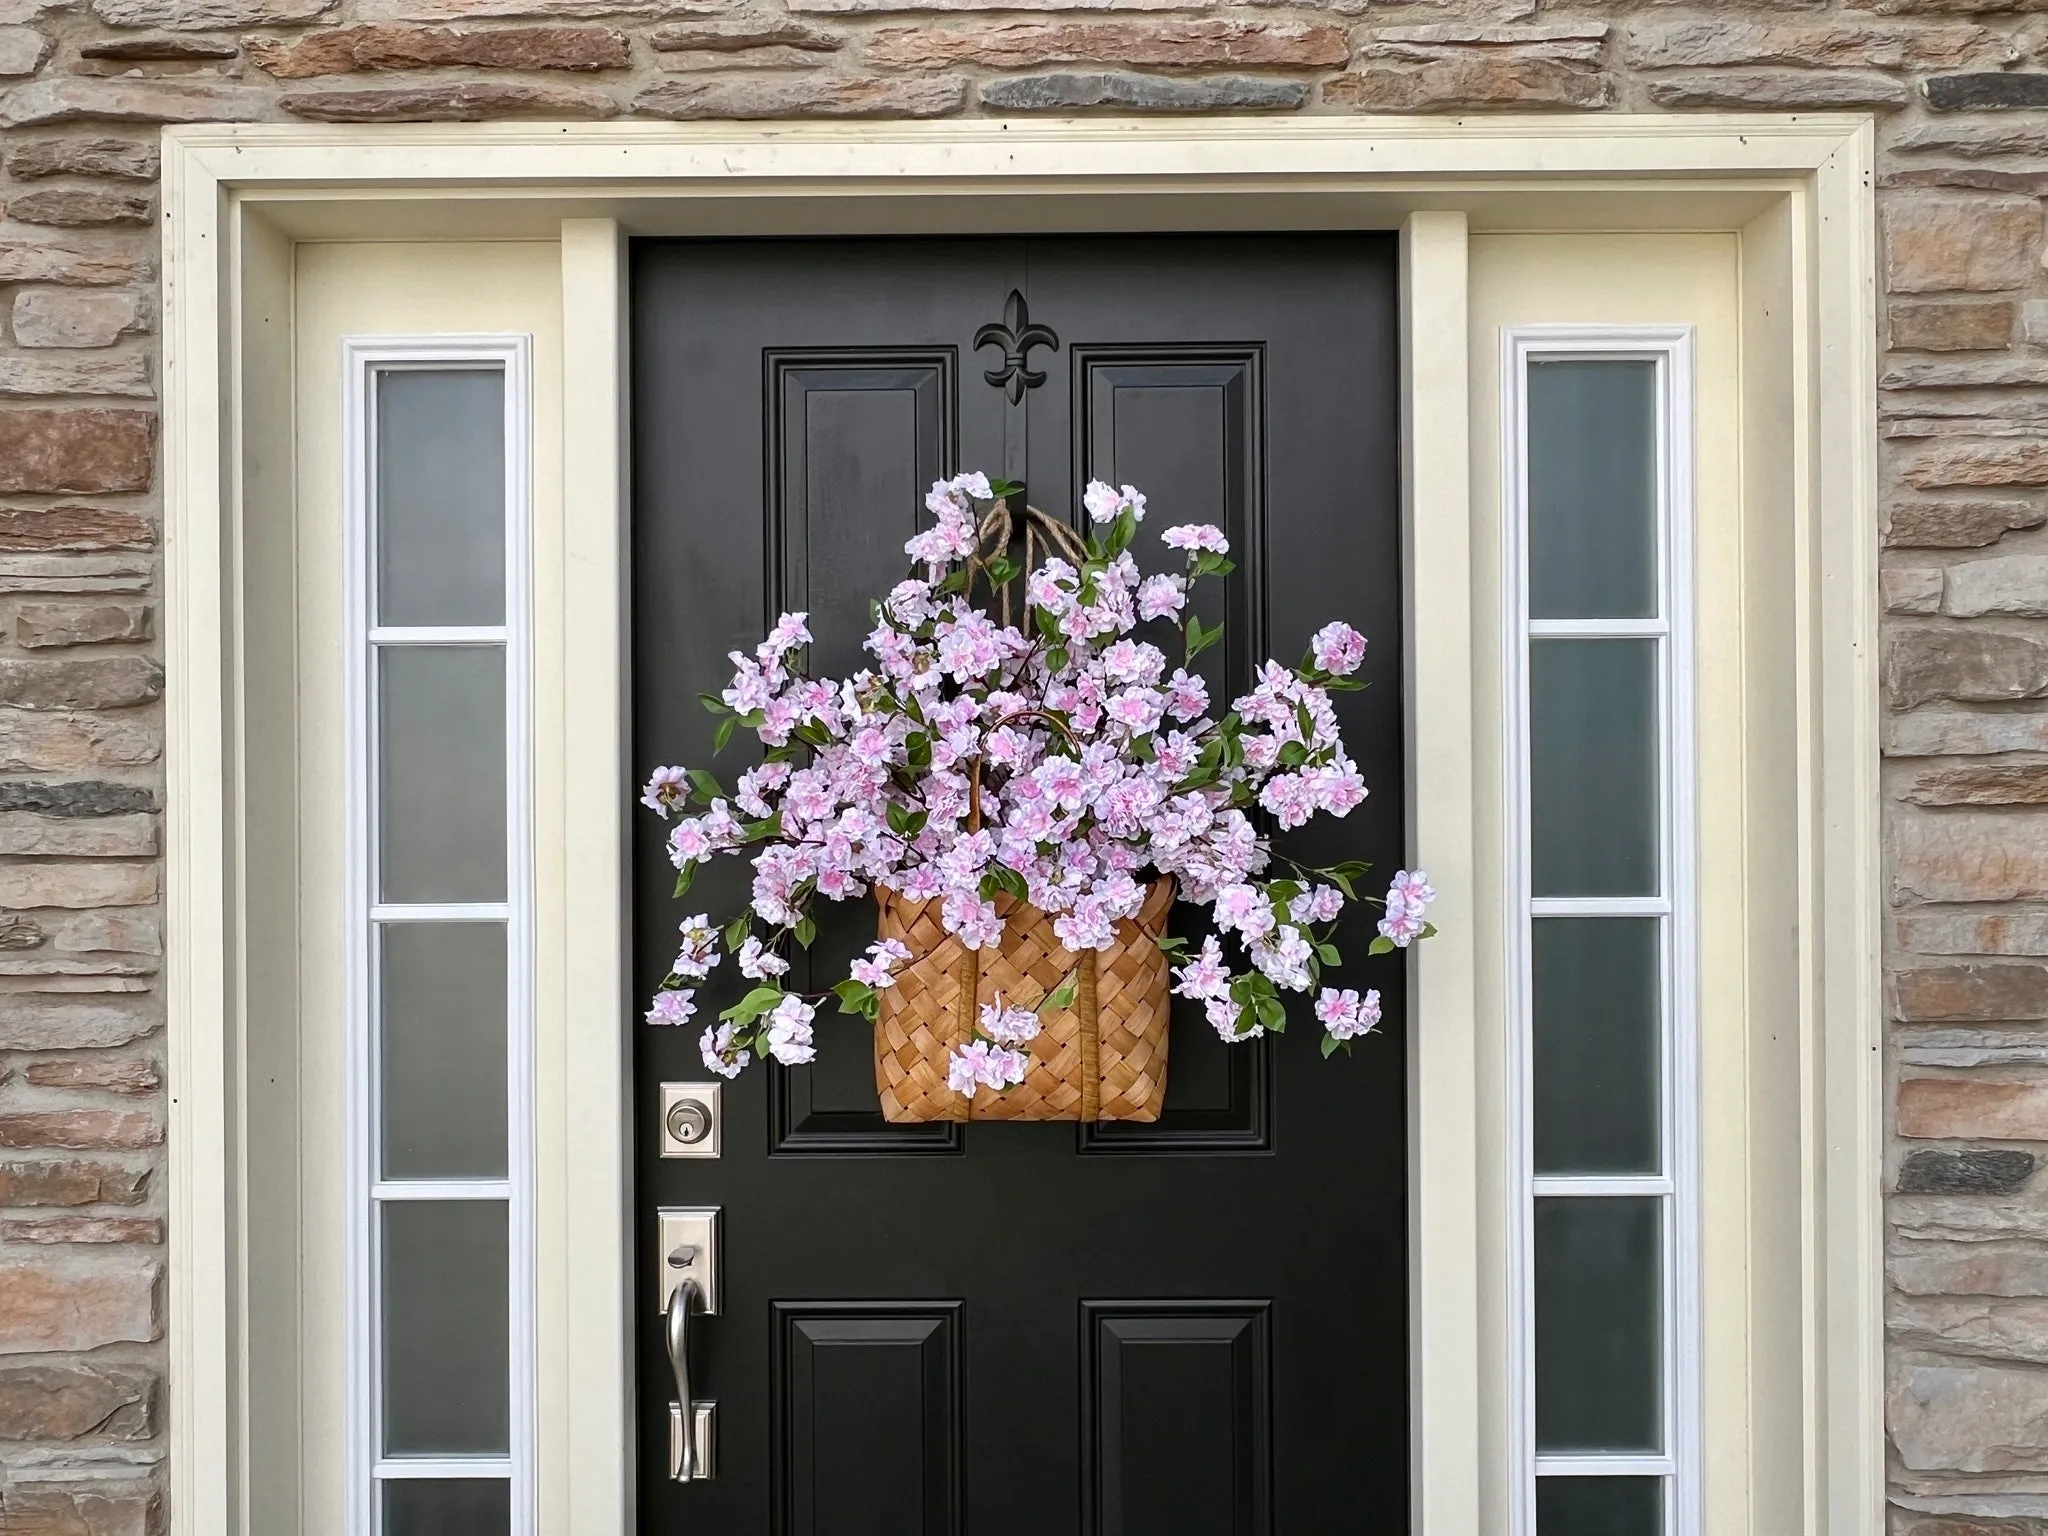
(1960, 88)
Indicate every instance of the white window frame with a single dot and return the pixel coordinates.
(364, 359)
(1670, 349)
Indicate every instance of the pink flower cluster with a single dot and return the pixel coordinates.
(1067, 761)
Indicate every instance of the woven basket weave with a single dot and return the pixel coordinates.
(1104, 1058)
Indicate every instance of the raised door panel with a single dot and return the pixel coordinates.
(1176, 1420)
(868, 1433)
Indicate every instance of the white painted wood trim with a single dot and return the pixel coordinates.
(597, 1481)
(371, 180)
(1447, 1031)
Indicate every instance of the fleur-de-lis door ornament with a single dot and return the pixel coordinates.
(1016, 335)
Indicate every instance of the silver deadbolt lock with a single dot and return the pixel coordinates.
(689, 1119)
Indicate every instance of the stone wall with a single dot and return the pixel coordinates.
(1961, 94)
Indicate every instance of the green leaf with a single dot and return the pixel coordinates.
(1048, 626)
(917, 749)
(1330, 1046)
(1280, 892)
(753, 1005)
(1342, 882)
(806, 930)
(1428, 931)
(954, 584)
(1121, 532)
(1292, 754)
(706, 785)
(1209, 563)
(1062, 996)
(723, 734)
(737, 930)
(756, 830)
(1056, 659)
(1328, 954)
(1273, 1015)
(1351, 867)
(899, 818)
(1001, 571)
(1380, 946)
(854, 996)
(683, 878)
(1000, 488)
(1206, 638)
(714, 703)
(1173, 944)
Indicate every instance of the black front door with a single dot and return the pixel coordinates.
(1190, 1328)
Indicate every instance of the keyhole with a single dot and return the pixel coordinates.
(689, 1122)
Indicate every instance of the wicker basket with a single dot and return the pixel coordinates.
(1102, 1059)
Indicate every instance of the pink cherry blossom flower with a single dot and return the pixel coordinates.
(789, 1032)
(1137, 710)
(1161, 597)
(721, 1054)
(672, 1007)
(1195, 536)
(1338, 649)
(1011, 1026)
(1205, 976)
(1223, 1016)
(967, 1067)
(1102, 501)
(1317, 904)
(699, 951)
(667, 788)
(1345, 1014)
(758, 963)
(1243, 909)
(1086, 926)
(1004, 1068)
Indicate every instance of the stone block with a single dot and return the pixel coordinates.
(66, 1302)
(50, 1509)
(1972, 933)
(70, 1181)
(72, 99)
(209, 15)
(91, 449)
(65, 374)
(552, 10)
(22, 50)
(133, 159)
(1473, 81)
(73, 1401)
(95, 1231)
(56, 317)
(385, 47)
(1718, 43)
(1957, 524)
(45, 1023)
(77, 797)
(1982, 89)
(1181, 44)
(1967, 1109)
(1942, 244)
(1911, 589)
(80, 1130)
(1980, 1171)
(30, 255)
(25, 834)
(40, 626)
(1969, 1418)
(744, 33)
(1970, 665)
(135, 1076)
(455, 101)
(1779, 89)
(2014, 585)
(1961, 733)
(99, 682)
(1969, 1269)
(1980, 784)
(1978, 1327)
(1986, 992)
(159, 47)
(841, 96)
(1969, 327)
(67, 884)
(75, 206)
(1966, 856)
(71, 743)
(1141, 93)
(75, 573)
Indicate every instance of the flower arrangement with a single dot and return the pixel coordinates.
(1064, 761)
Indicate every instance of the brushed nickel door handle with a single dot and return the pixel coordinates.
(691, 1454)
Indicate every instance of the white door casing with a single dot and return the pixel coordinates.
(246, 1248)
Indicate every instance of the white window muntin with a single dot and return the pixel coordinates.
(366, 362)
(1674, 1183)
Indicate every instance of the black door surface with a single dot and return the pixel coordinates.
(1191, 1328)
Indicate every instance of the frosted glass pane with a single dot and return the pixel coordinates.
(1599, 1319)
(1599, 1506)
(1598, 1036)
(441, 772)
(1592, 489)
(447, 1319)
(1593, 726)
(442, 1051)
(451, 1507)
(441, 496)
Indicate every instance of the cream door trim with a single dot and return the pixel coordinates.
(1796, 191)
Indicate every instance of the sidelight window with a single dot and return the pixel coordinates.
(1601, 1090)
(440, 1246)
